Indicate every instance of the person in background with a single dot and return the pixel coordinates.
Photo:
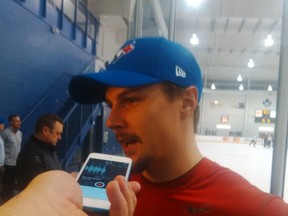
(12, 137)
(56, 193)
(153, 88)
(265, 140)
(253, 141)
(38, 153)
(269, 140)
(2, 152)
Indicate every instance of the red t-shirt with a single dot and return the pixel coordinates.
(207, 189)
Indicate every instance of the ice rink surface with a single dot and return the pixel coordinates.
(253, 163)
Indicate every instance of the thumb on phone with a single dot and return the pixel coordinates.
(122, 196)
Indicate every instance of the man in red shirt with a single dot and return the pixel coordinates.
(153, 87)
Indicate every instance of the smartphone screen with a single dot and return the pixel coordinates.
(94, 177)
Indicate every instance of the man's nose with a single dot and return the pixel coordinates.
(115, 119)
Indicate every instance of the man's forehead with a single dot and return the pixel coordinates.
(120, 91)
(58, 124)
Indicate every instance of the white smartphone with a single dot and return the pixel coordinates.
(96, 172)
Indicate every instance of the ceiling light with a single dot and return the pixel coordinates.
(213, 87)
(239, 78)
(269, 40)
(270, 89)
(251, 63)
(194, 39)
(241, 87)
(194, 3)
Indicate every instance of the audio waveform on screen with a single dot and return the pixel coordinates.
(95, 169)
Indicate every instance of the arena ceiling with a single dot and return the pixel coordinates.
(230, 32)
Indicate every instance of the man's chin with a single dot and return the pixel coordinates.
(139, 164)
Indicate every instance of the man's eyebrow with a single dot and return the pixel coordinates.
(126, 92)
(120, 95)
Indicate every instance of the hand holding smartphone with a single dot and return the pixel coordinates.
(97, 171)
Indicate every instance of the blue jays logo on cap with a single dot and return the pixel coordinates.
(124, 50)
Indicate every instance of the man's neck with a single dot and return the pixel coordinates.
(175, 166)
(14, 129)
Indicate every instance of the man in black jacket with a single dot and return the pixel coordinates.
(38, 154)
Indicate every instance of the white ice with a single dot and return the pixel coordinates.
(253, 163)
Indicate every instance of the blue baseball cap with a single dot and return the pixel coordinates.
(139, 62)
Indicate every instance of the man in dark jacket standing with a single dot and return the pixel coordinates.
(38, 154)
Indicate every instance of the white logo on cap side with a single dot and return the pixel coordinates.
(180, 72)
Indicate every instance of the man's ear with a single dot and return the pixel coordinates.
(189, 100)
(45, 130)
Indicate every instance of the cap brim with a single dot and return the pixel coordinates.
(91, 87)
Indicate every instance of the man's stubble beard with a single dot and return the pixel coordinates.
(141, 164)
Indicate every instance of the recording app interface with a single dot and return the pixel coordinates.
(96, 176)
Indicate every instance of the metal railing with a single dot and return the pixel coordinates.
(77, 126)
(51, 102)
(74, 11)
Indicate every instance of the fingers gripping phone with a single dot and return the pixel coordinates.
(97, 171)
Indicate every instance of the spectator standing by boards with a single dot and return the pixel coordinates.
(2, 152)
(12, 137)
(38, 153)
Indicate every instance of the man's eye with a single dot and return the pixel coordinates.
(131, 101)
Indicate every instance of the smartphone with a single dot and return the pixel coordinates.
(97, 171)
